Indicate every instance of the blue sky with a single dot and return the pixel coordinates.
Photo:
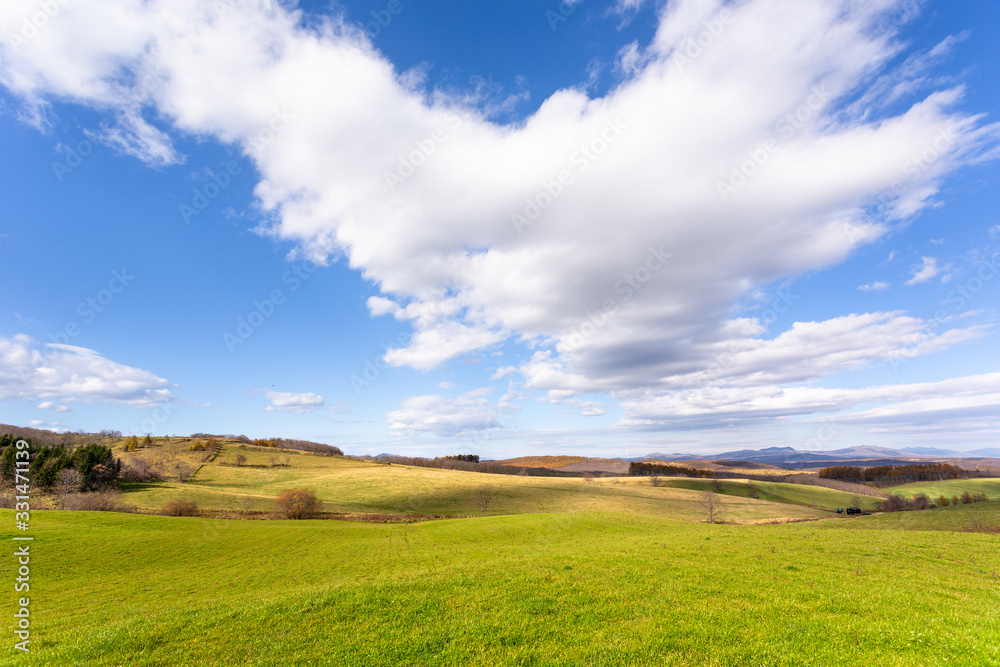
(504, 229)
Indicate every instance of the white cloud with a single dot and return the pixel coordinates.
(644, 165)
(927, 270)
(977, 395)
(54, 373)
(807, 351)
(340, 407)
(587, 408)
(49, 405)
(444, 384)
(55, 427)
(297, 403)
(447, 417)
(503, 372)
(877, 286)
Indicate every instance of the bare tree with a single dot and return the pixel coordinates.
(273, 460)
(240, 459)
(711, 506)
(68, 481)
(654, 480)
(485, 498)
(184, 470)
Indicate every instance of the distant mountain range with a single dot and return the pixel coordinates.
(790, 457)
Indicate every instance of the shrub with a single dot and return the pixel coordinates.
(180, 508)
(184, 470)
(100, 501)
(893, 503)
(967, 498)
(139, 469)
(297, 503)
(486, 494)
(942, 501)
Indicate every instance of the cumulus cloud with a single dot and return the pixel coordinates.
(297, 403)
(927, 270)
(740, 357)
(52, 374)
(877, 286)
(55, 427)
(587, 408)
(49, 405)
(765, 153)
(447, 417)
(714, 407)
(503, 372)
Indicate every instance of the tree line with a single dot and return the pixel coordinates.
(894, 475)
(646, 468)
(276, 443)
(88, 468)
(462, 462)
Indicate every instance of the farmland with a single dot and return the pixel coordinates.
(953, 487)
(555, 571)
(577, 588)
(353, 486)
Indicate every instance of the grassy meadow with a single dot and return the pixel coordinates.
(583, 588)
(560, 571)
(952, 487)
(353, 486)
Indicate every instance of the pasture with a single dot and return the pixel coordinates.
(580, 588)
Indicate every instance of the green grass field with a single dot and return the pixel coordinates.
(955, 487)
(562, 571)
(582, 588)
(353, 486)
